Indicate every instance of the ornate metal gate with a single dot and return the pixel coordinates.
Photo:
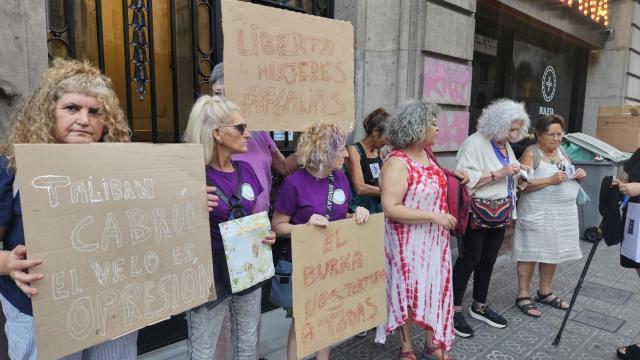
(159, 53)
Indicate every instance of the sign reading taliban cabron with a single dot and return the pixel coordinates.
(123, 233)
(339, 283)
(285, 69)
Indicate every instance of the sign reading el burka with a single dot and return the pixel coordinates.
(285, 70)
(596, 10)
(123, 233)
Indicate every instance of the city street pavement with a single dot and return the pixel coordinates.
(610, 296)
(613, 291)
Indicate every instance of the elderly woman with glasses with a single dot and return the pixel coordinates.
(547, 227)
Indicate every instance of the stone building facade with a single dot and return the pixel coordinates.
(400, 44)
(23, 40)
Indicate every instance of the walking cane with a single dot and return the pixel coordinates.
(596, 236)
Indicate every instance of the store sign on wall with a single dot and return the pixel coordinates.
(596, 10)
(549, 83)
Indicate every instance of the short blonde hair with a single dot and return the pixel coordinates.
(35, 121)
(207, 114)
(319, 145)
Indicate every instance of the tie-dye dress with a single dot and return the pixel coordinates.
(418, 260)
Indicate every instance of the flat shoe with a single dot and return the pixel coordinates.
(527, 308)
(408, 355)
(556, 302)
(427, 352)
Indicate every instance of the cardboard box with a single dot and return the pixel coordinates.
(622, 138)
(633, 110)
(619, 122)
(620, 126)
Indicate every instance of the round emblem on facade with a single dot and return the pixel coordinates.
(549, 83)
(339, 197)
(247, 192)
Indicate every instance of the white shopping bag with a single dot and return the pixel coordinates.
(631, 243)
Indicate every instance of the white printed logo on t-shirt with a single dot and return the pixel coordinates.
(339, 197)
(375, 170)
(247, 192)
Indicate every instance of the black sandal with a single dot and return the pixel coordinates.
(556, 302)
(527, 308)
(631, 352)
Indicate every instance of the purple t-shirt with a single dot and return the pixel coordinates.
(302, 195)
(226, 182)
(259, 155)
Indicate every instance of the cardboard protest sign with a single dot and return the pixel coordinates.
(249, 260)
(123, 232)
(285, 69)
(339, 284)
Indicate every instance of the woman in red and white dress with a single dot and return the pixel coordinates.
(418, 261)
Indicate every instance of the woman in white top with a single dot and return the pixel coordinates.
(493, 171)
(547, 227)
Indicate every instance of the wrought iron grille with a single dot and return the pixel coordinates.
(60, 37)
(76, 30)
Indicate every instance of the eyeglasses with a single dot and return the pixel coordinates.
(554, 135)
(240, 127)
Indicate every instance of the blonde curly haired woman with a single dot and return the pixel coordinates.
(304, 195)
(73, 104)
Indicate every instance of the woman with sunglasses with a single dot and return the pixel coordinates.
(547, 227)
(217, 124)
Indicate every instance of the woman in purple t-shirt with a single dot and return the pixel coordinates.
(217, 124)
(302, 197)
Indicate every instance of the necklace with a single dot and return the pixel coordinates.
(550, 156)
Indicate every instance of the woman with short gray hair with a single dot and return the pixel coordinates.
(493, 172)
(417, 225)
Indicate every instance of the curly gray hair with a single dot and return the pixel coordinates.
(410, 122)
(495, 121)
(217, 74)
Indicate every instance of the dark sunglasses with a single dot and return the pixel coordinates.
(240, 127)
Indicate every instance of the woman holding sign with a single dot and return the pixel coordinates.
(316, 194)
(217, 124)
(72, 104)
(417, 225)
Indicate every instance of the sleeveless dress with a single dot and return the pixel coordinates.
(547, 228)
(418, 260)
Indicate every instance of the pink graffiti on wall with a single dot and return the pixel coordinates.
(446, 82)
(454, 129)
